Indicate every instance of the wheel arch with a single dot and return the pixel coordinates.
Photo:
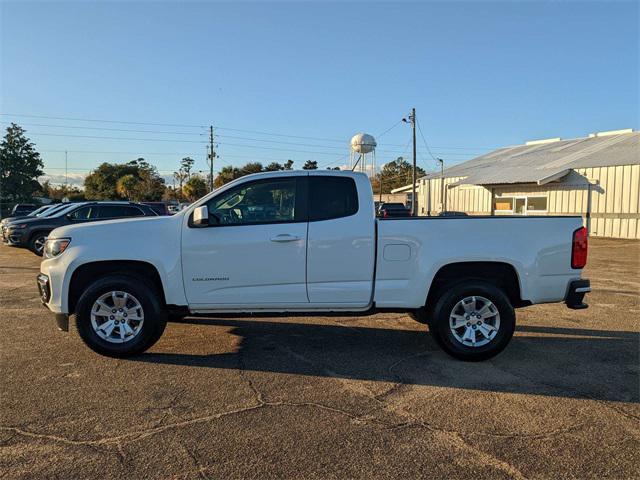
(38, 231)
(85, 273)
(501, 274)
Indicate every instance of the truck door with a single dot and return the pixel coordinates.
(254, 250)
(341, 236)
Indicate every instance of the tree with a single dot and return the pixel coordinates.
(251, 167)
(273, 167)
(151, 183)
(229, 173)
(20, 165)
(226, 175)
(61, 192)
(180, 177)
(310, 165)
(395, 174)
(127, 186)
(171, 195)
(333, 168)
(288, 165)
(186, 164)
(195, 188)
(101, 183)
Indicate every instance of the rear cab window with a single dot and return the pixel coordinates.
(332, 197)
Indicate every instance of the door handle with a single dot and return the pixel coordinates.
(284, 237)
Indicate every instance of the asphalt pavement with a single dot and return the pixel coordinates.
(318, 397)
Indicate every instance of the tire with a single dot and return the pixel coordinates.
(451, 307)
(140, 301)
(36, 243)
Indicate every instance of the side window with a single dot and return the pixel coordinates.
(262, 201)
(119, 211)
(332, 197)
(83, 213)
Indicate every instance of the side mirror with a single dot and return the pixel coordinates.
(201, 216)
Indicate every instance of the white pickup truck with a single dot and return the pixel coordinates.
(301, 242)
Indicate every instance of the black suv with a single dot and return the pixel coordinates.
(31, 233)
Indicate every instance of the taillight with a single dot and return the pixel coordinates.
(579, 248)
(385, 214)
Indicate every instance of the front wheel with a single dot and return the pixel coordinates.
(36, 243)
(119, 316)
(473, 320)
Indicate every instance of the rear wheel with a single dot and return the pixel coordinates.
(473, 320)
(119, 316)
(36, 243)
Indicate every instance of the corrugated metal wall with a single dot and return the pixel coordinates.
(615, 198)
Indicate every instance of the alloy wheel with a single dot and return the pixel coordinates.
(117, 317)
(474, 321)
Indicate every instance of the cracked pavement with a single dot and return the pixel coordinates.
(317, 397)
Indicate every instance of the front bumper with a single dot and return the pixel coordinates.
(14, 237)
(575, 294)
(44, 288)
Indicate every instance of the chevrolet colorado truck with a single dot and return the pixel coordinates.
(308, 242)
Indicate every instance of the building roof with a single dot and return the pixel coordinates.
(544, 161)
(405, 188)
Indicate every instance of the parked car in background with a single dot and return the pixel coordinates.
(51, 210)
(386, 210)
(36, 213)
(295, 242)
(159, 207)
(173, 208)
(22, 209)
(32, 233)
(452, 213)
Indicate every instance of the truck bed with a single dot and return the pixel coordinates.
(410, 251)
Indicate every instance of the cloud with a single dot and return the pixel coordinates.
(75, 179)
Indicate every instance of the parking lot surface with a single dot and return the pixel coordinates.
(317, 397)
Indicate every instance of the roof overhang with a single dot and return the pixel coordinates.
(405, 188)
(553, 177)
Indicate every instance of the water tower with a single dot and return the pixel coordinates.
(363, 154)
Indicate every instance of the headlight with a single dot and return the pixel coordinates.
(55, 246)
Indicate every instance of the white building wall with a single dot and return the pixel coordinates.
(614, 193)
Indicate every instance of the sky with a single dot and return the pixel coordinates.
(296, 80)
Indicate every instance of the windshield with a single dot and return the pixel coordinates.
(66, 210)
(53, 210)
(38, 211)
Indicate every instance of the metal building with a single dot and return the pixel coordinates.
(597, 177)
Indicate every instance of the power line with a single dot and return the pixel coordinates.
(342, 141)
(187, 133)
(108, 129)
(425, 142)
(102, 121)
(390, 128)
(117, 138)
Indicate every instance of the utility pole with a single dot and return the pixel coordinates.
(441, 183)
(412, 121)
(210, 157)
(66, 173)
(414, 203)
